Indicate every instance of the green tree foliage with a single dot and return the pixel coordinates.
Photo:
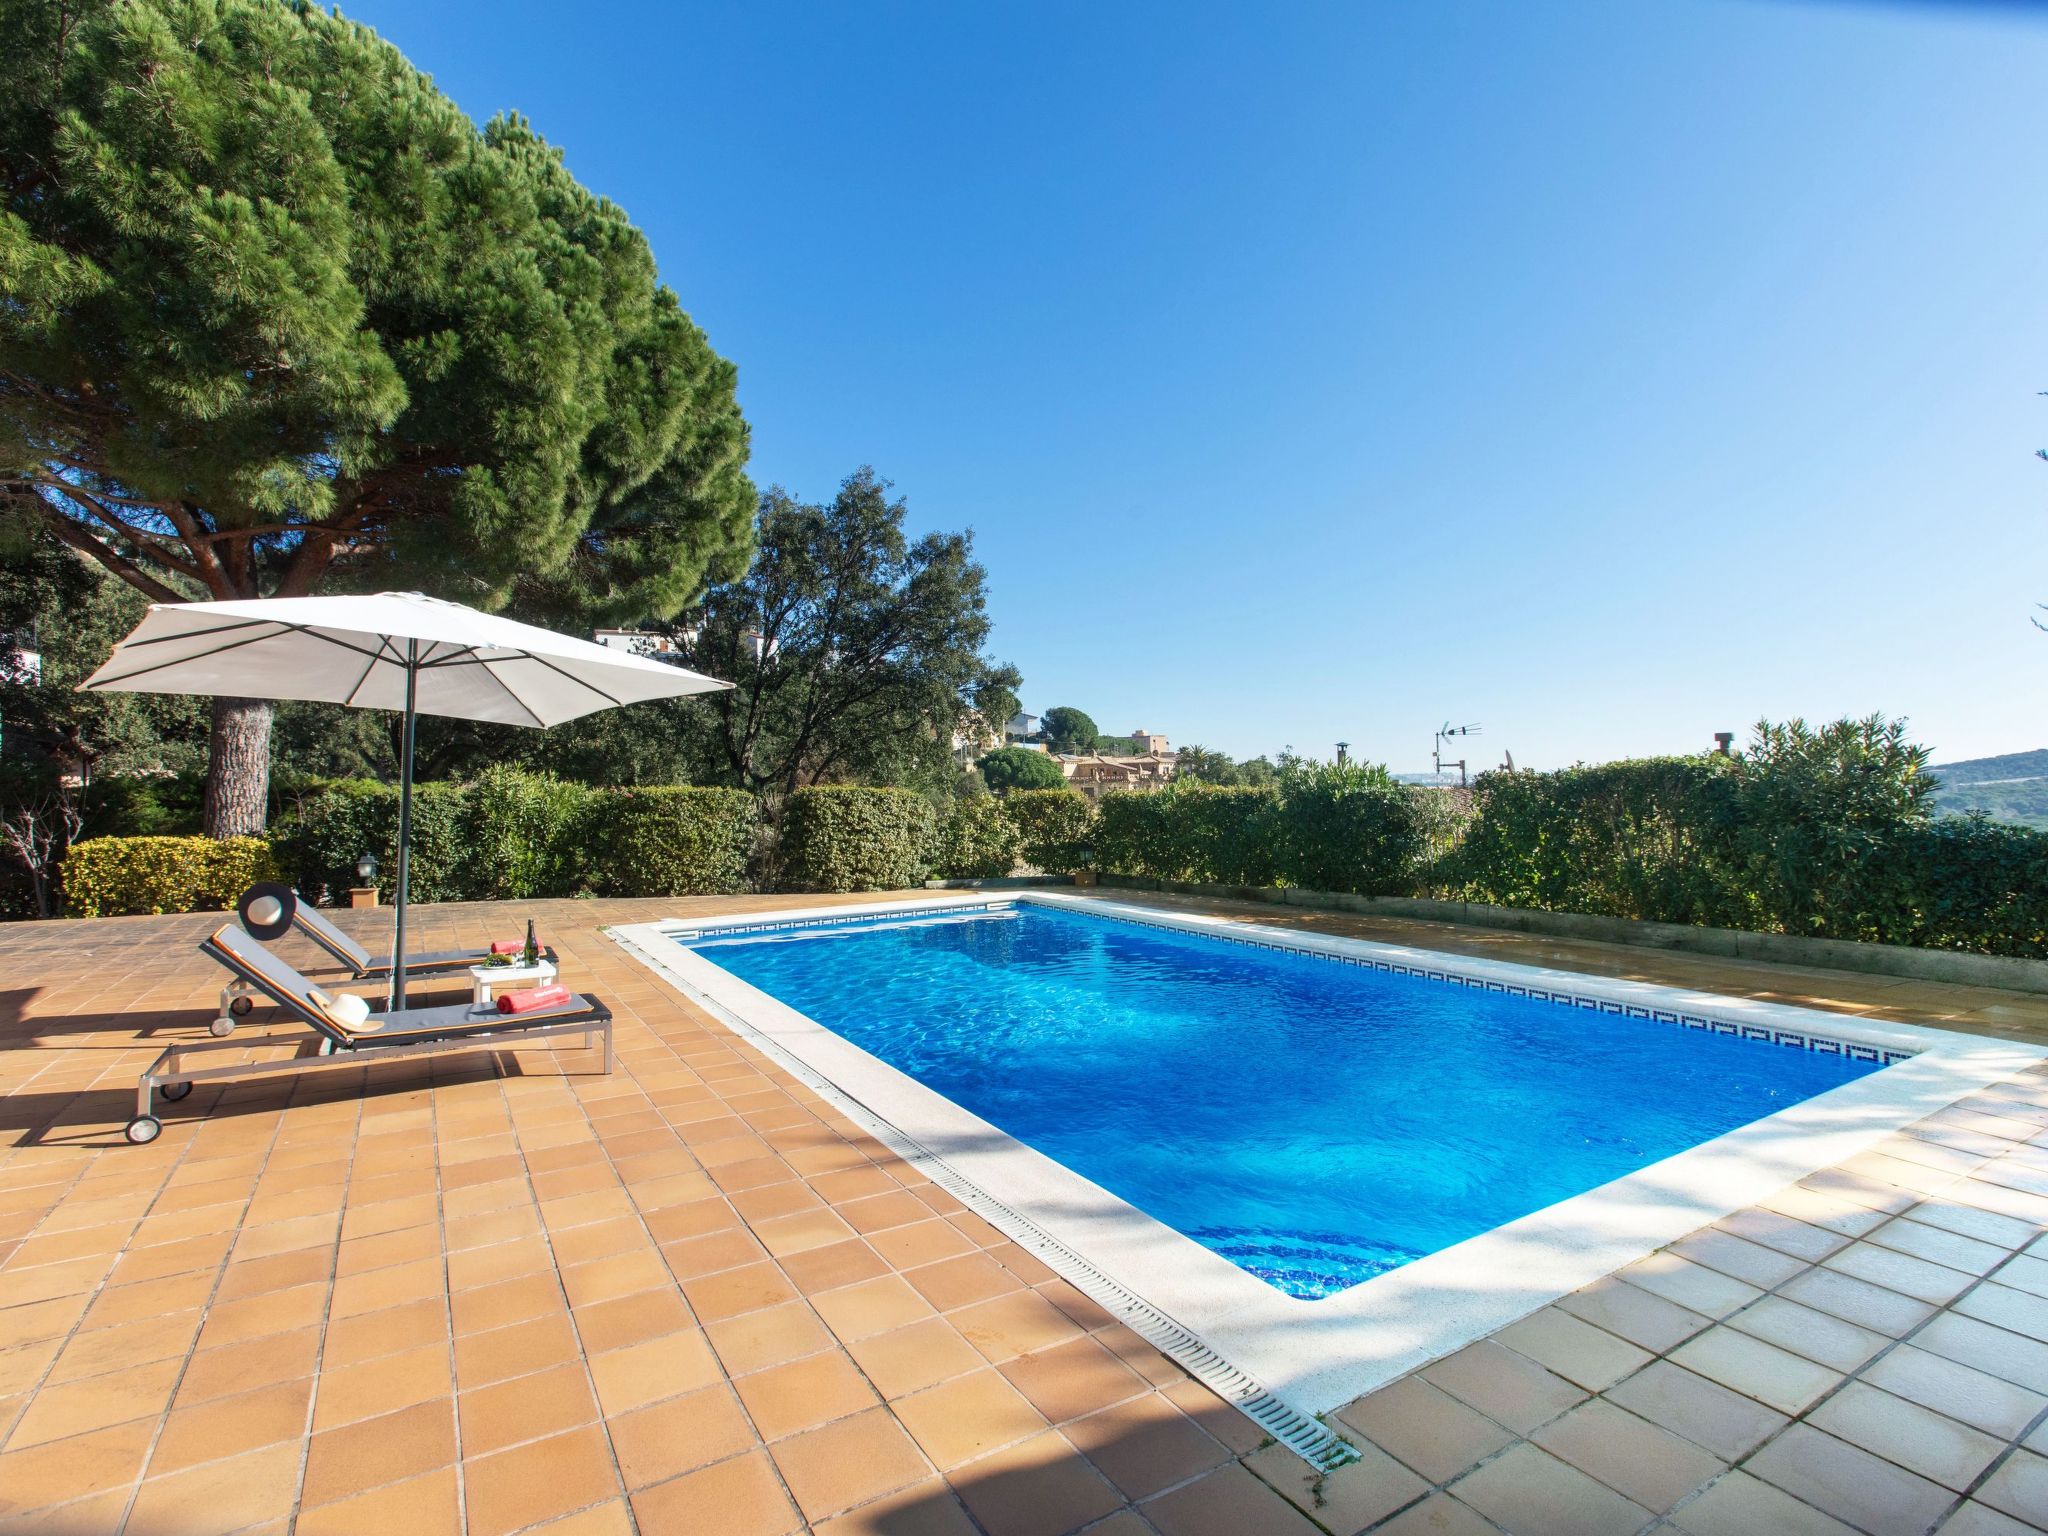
(857, 652)
(1009, 768)
(1055, 829)
(1067, 729)
(1207, 767)
(278, 316)
(976, 841)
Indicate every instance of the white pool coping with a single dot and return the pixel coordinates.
(1315, 1355)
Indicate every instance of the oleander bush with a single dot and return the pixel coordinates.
(670, 841)
(120, 876)
(975, 841)
(845, 838)
(1055, 828)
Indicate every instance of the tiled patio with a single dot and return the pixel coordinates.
(690, 1297)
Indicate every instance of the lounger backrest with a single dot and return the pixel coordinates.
(272, 977)
(329, 937)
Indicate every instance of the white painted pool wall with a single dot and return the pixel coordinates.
(1319, 1354)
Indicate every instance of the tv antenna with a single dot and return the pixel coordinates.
(1444, 733)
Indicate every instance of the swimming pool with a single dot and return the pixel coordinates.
(1226, 1234)
(1315, 1123)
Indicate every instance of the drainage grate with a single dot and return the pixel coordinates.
(1306, 1436)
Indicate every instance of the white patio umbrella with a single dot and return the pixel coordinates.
(394, 650)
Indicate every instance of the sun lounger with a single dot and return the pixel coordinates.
(269, 910)
(335, 1041)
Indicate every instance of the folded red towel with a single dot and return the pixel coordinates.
(508, 946)
(532, 998)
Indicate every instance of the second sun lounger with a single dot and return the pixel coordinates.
(337, 1043)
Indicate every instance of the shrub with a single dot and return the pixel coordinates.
(118, 876)
(671, 841)
(1055, 829)
(520, 835)
(975, 841)
(1189, 831)
(843, 838)
(1345, 827)
(1012, 768)
(335, 824)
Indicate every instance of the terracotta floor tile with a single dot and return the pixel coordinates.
(1145, 1445)
(679, 1434)
(526, 1408)
(99, 1350)
(1776, 1377)
(632, 1319)
(219, 1495)
(804, 1393)
(254, 1317)
(227, 1426)
(848, 1462)
(1038, 1487)
(502, 1353)
(906, 1360)
(625, 1274)
(1959, 1391)
(1636, 1458)
(1425, 1427)
(1348, 1498)
(967, 1417)
(1917, 1438)
(740, 1497)
(873, 1306)
(420, 1506)
(731, 1292)
(345, 1461)
(1227, 1502)
(958, 1282)
(631, 1378)
(1582, 1354)
(923, 1509)
(1849, 1483)
(533, 1482)
(1704, 1412)
(71, 1469)
(97, 1402)
(500, 1305)
(832, 1266)
(924, 1242)
(384, 1385)
(1538, 1495)
(414, 1326)
(1013, 1324)
(1503, 1385)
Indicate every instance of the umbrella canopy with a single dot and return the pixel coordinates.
(367, 651)
(393, 650)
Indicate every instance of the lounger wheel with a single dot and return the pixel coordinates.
(175, 1091)
(144, 1129)
(221, 1027)
(242, 1007)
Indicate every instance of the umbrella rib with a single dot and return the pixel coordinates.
(368, 667)
(580, 682)
(201, 634)
(539, 724)
(98, 683)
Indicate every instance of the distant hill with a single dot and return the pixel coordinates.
(2012, 788)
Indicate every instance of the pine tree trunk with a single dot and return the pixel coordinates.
(238, 773)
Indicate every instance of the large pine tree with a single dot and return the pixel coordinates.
(276, 316)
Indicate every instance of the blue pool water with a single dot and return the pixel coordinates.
(1315, 1123)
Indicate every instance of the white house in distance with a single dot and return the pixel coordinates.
(1021, 725)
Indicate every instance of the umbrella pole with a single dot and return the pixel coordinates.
(412, 660)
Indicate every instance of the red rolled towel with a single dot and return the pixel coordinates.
(508, 946)
(551, 996)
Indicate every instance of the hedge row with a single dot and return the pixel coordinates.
(121, 876)
(511, 836)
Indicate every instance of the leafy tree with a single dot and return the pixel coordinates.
(1204, 766)
(1009, 768)
(856, 652)
(279, 316)
(1066, 729)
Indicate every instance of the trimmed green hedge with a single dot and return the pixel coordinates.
(120, 876)
(845, 838)
(975, 841)
(512, 835)
(670, 841)
(1210, 833)
(1055, 828)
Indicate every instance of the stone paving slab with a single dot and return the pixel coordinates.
(499, 1293)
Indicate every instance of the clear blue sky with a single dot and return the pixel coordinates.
(1610, 374)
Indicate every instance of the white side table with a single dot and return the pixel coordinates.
(493, 979)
